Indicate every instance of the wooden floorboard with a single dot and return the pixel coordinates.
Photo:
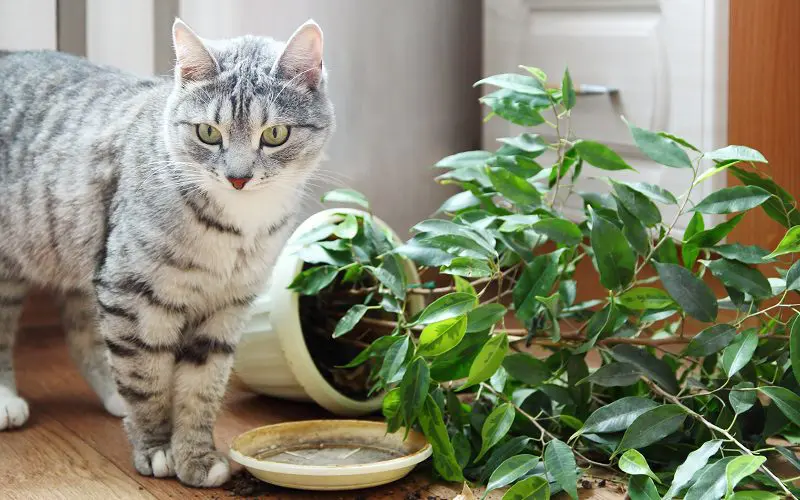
(72, 449)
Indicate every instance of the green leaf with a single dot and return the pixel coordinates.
(518, 108)
(711, 237)
(634, 231)
(634, 463)
(446, 307)
(660, 149)
(794, 348)
(655, 193)
(637, 204)
(652, 426)
(375, 349)
(642, 298)
(488, 360)
(711, 484)
(391, 410)
(438, 338)
(459, 201)
(538, 277)
(568, 97)
(512, 447)
(462, 449)
(514, 187)
(741, 467)
(518, 83)
(463, 286)
(346, 196)
(747, 254)
(468, 267)
(559, 230)
(742, 400)
(655, 369)
(614, 375)
(739, 153)
(527, 369)
(348, 228)
(712, 339)
(787, 401)
(455, 363)
(642, 488)
(615, 259)
(350, 320)
(789, 455)
(442, 227)
(465, 159)
(539, 74)
(693, 463)
(413, 390)
(391, 275)
(739, 353)
(600, 156)
(694, 296)
(392, 369)
(754, 495)
(732, 199)
(313, 280)
(530, 143)
(511, 470)
(789, 244)
(560, 463)
(444, 458)
(617, 415)
(495, 427)
(781, 206)
(424, 255)
(532, 488)
(484, 317)
(740, 277)
(793, 277)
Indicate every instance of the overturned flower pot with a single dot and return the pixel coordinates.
(288, 349)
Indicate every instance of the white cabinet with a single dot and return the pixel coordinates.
(666, 58)
(27, 25)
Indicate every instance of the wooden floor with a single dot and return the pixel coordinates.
(71, 449)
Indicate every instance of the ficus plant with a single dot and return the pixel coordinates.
(689, 394)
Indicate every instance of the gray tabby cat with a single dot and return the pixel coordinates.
(156, 208)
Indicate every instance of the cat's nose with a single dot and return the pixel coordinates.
(239, 182)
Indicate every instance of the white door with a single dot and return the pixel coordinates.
(27, 25)
(666, 58)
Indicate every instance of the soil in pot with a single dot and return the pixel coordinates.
(319, 315)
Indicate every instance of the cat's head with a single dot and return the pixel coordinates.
(249, 112)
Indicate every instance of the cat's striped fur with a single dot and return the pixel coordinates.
(108, 195)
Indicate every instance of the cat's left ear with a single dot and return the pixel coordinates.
(194, 62)
(301, 60)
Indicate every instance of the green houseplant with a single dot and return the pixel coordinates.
(679, 414)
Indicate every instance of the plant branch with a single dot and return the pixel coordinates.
(745, 450)
(539, 426)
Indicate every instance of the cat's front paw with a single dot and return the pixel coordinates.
(205, 470)
(156, 462)
(13, 412)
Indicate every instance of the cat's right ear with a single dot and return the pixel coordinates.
(193, 61)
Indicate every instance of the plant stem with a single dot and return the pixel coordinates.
(539, 426)
(745, 450)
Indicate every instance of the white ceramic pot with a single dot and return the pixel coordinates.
(272, 357)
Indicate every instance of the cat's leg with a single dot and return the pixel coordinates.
(13, 409)
(141, 342)
(202, 368)
(88, 351)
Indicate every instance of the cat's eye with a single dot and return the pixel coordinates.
(209, 134)
(275, 136)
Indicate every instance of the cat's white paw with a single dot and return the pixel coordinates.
(13, 412)
(207, 471)
(156, 462)
(115, 405)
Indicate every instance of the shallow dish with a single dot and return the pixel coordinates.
(329, 454)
